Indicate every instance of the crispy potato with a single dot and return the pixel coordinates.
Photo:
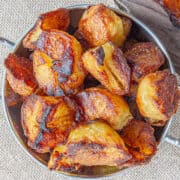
(47, 121)
(60, 57)
(90, 145)
(140, 140)
(99, 25)
(99, 103)
(108, 65)
(158, 97)
(20, 75)
(58, 19)
(144, 58)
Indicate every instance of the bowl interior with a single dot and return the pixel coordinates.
(13, 112)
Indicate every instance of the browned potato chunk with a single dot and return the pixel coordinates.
(140, 140)
(47, 121)
(90, 145)
(58, 19)
(20, 74)
(60, 57)
(99, 103)
(144, 58)
(108, 65)
(158, 97)
(99, 25)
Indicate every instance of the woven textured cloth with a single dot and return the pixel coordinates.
(15, 18)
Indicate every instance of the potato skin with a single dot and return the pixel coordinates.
(89, 145)
(57, 19)
(108, 65)
(99, 25)
(47, 121)
(158, 97)
(20, 75)
(60, 55)
(99, 103)
(144, 58)
(140, 140)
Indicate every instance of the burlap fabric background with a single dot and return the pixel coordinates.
(15, 164)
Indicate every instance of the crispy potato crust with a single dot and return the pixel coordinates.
(158, 97)
(99, 25)
(47, 121)
(144, 58)
(59, 55)
(140, 140)
(58, 19)
(89, 145)
(20, 74)
(108, 65)
(99, 103)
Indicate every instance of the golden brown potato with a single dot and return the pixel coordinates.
(20, 74)
(108, 65)
(47, 121)
(58, 19)
(144, 58)
(140, 140)
(60, 57)
(158, 96)
(99, 103)
(99, 25)
(90, 145)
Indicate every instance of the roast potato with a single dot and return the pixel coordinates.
(140, 140)
(89, 145)
(157, 97)
(58, 19)
(59, 55)
(144, 58)
(99, 103)
(47, 121)
(108, 65)
(99, 25)
(20, 75)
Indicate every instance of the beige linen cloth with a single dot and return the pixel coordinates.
(15, 164)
